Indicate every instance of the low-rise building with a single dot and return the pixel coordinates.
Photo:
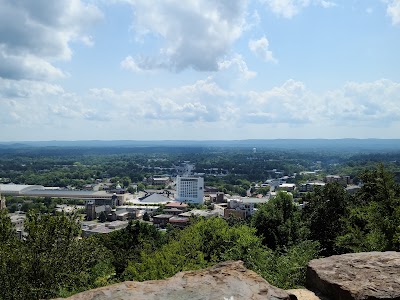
(289, 187)
(200, 213)
(178, 205)
(217, 197)
(344, 179)
(17, 220)
(239, 208)
(241, 214)
(160, 180)
(161, 220)
(310, 186)
(173, 211)
(90, 228)
(178, 221)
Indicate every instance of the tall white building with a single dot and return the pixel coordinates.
(190, 189)
(2, 202)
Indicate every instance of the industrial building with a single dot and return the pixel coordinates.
(55, 192)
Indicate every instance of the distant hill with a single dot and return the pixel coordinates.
(346, 145)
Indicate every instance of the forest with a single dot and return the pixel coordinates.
(277, 242)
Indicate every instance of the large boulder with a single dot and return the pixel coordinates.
(370, 275)
(229, 280)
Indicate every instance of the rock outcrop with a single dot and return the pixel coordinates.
(370, 275)
(229, 280)
(304, 294)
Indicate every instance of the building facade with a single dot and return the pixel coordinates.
(190, 189)
(2, 202)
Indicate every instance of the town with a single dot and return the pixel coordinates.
(168, 196)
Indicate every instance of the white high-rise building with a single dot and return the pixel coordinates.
(190, 189)
(2, 202)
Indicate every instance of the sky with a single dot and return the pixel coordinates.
(199, 69)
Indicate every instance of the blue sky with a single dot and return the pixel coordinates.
(199, 69)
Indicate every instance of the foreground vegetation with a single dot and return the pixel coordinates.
(277, 243)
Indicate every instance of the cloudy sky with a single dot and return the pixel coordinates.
(199, 69)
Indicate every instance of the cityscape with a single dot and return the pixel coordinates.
(103, 215)
(199, 149)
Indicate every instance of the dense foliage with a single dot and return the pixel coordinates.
(51, 261)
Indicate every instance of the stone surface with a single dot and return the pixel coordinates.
(370, 275)
(304, 294)
(229, 280)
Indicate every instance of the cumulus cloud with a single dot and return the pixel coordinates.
(13, 89)
(260, 47)
(368, 104)
(393, 11)
(34, 34)
(129, 63)
(290, 8)
(195, 34)
(203, 104)
(289, 103)
(373, 104)
(26, 66)
(235, 66)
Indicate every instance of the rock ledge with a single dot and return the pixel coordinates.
(229, 280)
(369, 275)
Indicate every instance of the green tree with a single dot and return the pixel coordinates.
(373, 223)
(287, 269)
(264, 190)
(203, 243)
(50, 239)
(278, 222)
(128, 243)
(146, 216)
(52, 261)
(131, 190)
(324, 213)
(7, 231)
(126, 181)
(102, 217)
(141, 186)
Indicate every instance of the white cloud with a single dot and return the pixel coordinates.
(393, 11)
(87, 40)
(260, 47)
(290, 8)
(233, 67)
(289, 103)
(26, 66)
(13, 89)
(49, 109)
(326, 4)
(34, 34)
(195, 34)
(129, 63)
(373, 104)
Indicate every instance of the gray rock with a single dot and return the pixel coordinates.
(370, 275)
(229, 280)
